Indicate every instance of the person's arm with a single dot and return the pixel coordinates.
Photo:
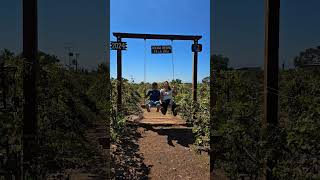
(148, 94)
(161, 96)
(174, 91)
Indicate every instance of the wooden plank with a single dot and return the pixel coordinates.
(156, 118)
(156, 36)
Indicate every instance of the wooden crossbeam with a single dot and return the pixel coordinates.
(156, 36)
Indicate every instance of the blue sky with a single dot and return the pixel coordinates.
(238, 31)
(185, 17)
(79, 23)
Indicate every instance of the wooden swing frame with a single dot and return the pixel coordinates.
(121, 36)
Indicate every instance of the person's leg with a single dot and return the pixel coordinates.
(149, 105)
(173, 108)
(164, 106)
(157, 103)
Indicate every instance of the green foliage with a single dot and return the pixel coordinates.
(241, 144)
(196, 113)
(300, 114)
(236, 123)
(69, 103)
(220, 62)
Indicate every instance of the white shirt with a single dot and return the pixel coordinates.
(166, 94)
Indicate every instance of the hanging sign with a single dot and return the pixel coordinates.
(161, 49)
(196, 47)
(118, 45)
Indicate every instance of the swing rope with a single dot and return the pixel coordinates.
(172, 61)
(145, 60)
(145, 72)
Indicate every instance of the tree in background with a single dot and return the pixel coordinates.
(45, 58)
(310, 56)
(220, 62)
(176, 81)
(6, 54)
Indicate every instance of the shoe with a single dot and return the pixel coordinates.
(148, 108)
(163, 111)
(175, 113)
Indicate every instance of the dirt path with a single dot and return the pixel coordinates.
(167, 150)
(160, 151)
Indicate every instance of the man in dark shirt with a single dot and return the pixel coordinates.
(154, 97)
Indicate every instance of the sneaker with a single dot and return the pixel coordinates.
(148, 108)
(175, 112)
(163, 111)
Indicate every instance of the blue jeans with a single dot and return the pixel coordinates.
(153, 103)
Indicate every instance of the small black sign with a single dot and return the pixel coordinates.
(161, 49)
(118, 45)
(196, 47)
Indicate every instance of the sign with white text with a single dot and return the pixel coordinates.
(161, 49)
(118, 45)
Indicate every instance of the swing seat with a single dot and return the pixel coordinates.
(144, 105)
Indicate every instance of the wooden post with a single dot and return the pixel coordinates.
(212, 99)
(195, 73)
(30, 50)
(271, 71)
(212, 106)
(109, 105)
(119, 78)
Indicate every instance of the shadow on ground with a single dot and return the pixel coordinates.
(127, 162)
(182, 135)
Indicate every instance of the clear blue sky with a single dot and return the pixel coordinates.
(239, 30)
(81, 23)
(185, 17)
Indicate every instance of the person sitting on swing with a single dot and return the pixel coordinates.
(154, 97)
(166, 98)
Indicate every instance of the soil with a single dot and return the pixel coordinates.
(155, 151)
(152, 147)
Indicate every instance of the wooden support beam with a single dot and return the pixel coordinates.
(119, 77)
(195, 73)
(212, 92)
(108, 93)
(271, 71)
(271, 61)
(156, 36)
(30, 51)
